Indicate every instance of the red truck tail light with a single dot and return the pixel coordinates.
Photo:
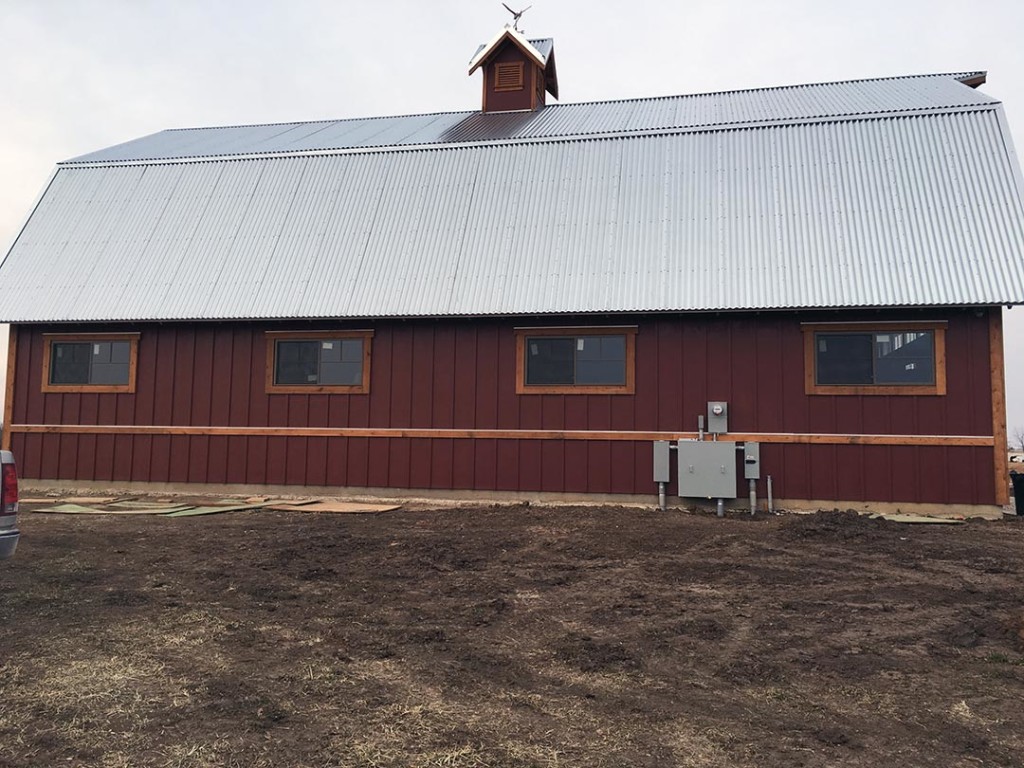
(9, 490)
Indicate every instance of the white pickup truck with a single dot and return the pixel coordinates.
(8, 505)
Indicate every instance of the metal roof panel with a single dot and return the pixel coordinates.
(911, 210)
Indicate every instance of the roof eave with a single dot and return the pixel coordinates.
(975, 79)
(551, 75)
(516, 38)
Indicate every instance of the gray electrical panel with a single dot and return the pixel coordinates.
(707, 469)
(752, 461)
(718, 417)
(662, 454)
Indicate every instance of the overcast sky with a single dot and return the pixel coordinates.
(79, 75)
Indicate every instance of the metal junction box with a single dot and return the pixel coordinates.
(752, 461)
(707, 469)
(662, 461)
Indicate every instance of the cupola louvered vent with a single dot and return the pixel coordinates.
(509, 76)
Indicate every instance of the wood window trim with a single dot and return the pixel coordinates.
(629, 388)
(316, 389)
(503, 69)
(61, 338)
(811, 387)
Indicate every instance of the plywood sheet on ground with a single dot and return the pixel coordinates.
(919, 519)
(335, 507)
(57, 499)
(212, 510)
(147, 505)
(78, 509)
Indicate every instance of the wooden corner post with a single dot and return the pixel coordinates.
(995, 353)
(12, 355)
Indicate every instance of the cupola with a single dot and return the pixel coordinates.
(518, 73)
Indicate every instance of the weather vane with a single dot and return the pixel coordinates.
(516, 15)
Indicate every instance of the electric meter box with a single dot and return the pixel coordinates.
(718, 417)
(707, 469)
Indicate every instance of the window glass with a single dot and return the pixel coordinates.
(121, 352)
(100, 363)
(601, 360)
(101, 353)
(330, 351)
(576, 360)
(326, 362)
(110, 374)
(881, 358)
(352, 351)
(69, 363)
(296, 362)
(110, 363)
(844, 358)
(905, 358)
(549, 361)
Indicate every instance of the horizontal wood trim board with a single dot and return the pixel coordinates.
(499, 434)
(871, 325)
(105, 335)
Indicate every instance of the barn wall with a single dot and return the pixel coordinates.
(460, 375)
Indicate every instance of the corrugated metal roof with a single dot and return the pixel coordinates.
(897, 210)
(543, 45)
(767, 105)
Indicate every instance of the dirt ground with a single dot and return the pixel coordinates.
(511, 636)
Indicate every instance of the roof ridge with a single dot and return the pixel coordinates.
(954, 75)
(613, 135)
(314, 122)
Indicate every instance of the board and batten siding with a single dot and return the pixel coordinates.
(459, 374)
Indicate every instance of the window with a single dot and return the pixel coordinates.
(318, 361)
(102, 362)
(575, 360)
(875, 358)
(508, 76)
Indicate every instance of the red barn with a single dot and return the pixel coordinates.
(524, 299)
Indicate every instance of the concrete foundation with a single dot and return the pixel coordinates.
(988, 512)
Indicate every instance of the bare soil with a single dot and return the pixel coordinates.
(511, 636)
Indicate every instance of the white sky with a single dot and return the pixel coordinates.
(80, 75)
